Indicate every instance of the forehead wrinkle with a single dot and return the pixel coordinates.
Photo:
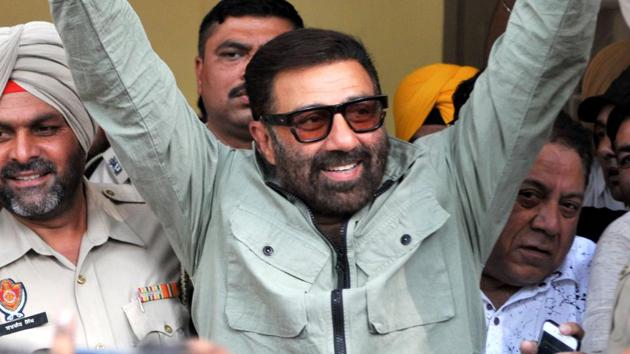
(37, 119)
(46, 117)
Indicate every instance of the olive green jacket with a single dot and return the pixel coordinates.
(266, 281)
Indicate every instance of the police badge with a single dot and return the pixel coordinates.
(12, 299)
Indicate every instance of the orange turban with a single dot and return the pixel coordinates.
(422, 90)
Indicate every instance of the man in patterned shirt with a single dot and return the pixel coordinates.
(538, 269)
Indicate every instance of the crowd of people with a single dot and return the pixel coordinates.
(284, 218)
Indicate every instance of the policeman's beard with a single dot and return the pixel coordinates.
(41, 202)
(301, 175)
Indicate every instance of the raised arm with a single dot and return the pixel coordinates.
(132, 94)
(533, 69)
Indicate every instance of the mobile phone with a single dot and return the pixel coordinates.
(552, 341)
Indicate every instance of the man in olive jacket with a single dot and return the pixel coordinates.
(330, 237)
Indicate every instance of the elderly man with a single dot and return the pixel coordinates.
(229, 35)
(538, 269)
(330, 237)
(94, 251)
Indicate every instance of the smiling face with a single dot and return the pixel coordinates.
(220, 81)
(339, 174)
(541, 227)
(41, 161)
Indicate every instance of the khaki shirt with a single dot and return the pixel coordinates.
(620, 335)
(123, 249)
(266, 280)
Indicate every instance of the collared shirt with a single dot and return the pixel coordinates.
(561, 297)
(124, 249)
(597, 194)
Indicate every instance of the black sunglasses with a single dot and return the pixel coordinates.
(309, 125)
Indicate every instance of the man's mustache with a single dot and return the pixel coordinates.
(38, 166)
(237, 91)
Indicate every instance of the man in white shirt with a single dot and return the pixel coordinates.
(538, 270)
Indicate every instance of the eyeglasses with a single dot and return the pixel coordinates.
(309, 125)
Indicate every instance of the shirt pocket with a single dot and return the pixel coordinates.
(271, 268)
(159, 321)
(408, 283)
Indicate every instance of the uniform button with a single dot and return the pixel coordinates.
(405, 239)
(496, 321)
(267, 250)
(168, 329)
(489, 307)
(110, 192)
(81, 279)
(99, 347)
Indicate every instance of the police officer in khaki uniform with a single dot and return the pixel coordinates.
(69, 245)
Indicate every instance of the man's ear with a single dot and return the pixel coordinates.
(263, 140)
(198, 73)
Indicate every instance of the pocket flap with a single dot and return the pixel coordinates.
(280, 245)
(166, 316)
(408, 284)
(414, 219)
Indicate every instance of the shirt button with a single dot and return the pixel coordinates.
(405, 239)
(489, 307)
(110, 192)
(267, 250)
(168, 329)
(496, 321)
(81, 279)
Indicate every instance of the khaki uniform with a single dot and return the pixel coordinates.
(620, 335)
(123, 249)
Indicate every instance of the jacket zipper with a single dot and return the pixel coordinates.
(343, 282)
(343, 272)
(336, 296)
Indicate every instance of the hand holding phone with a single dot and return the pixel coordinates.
(552, 341)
